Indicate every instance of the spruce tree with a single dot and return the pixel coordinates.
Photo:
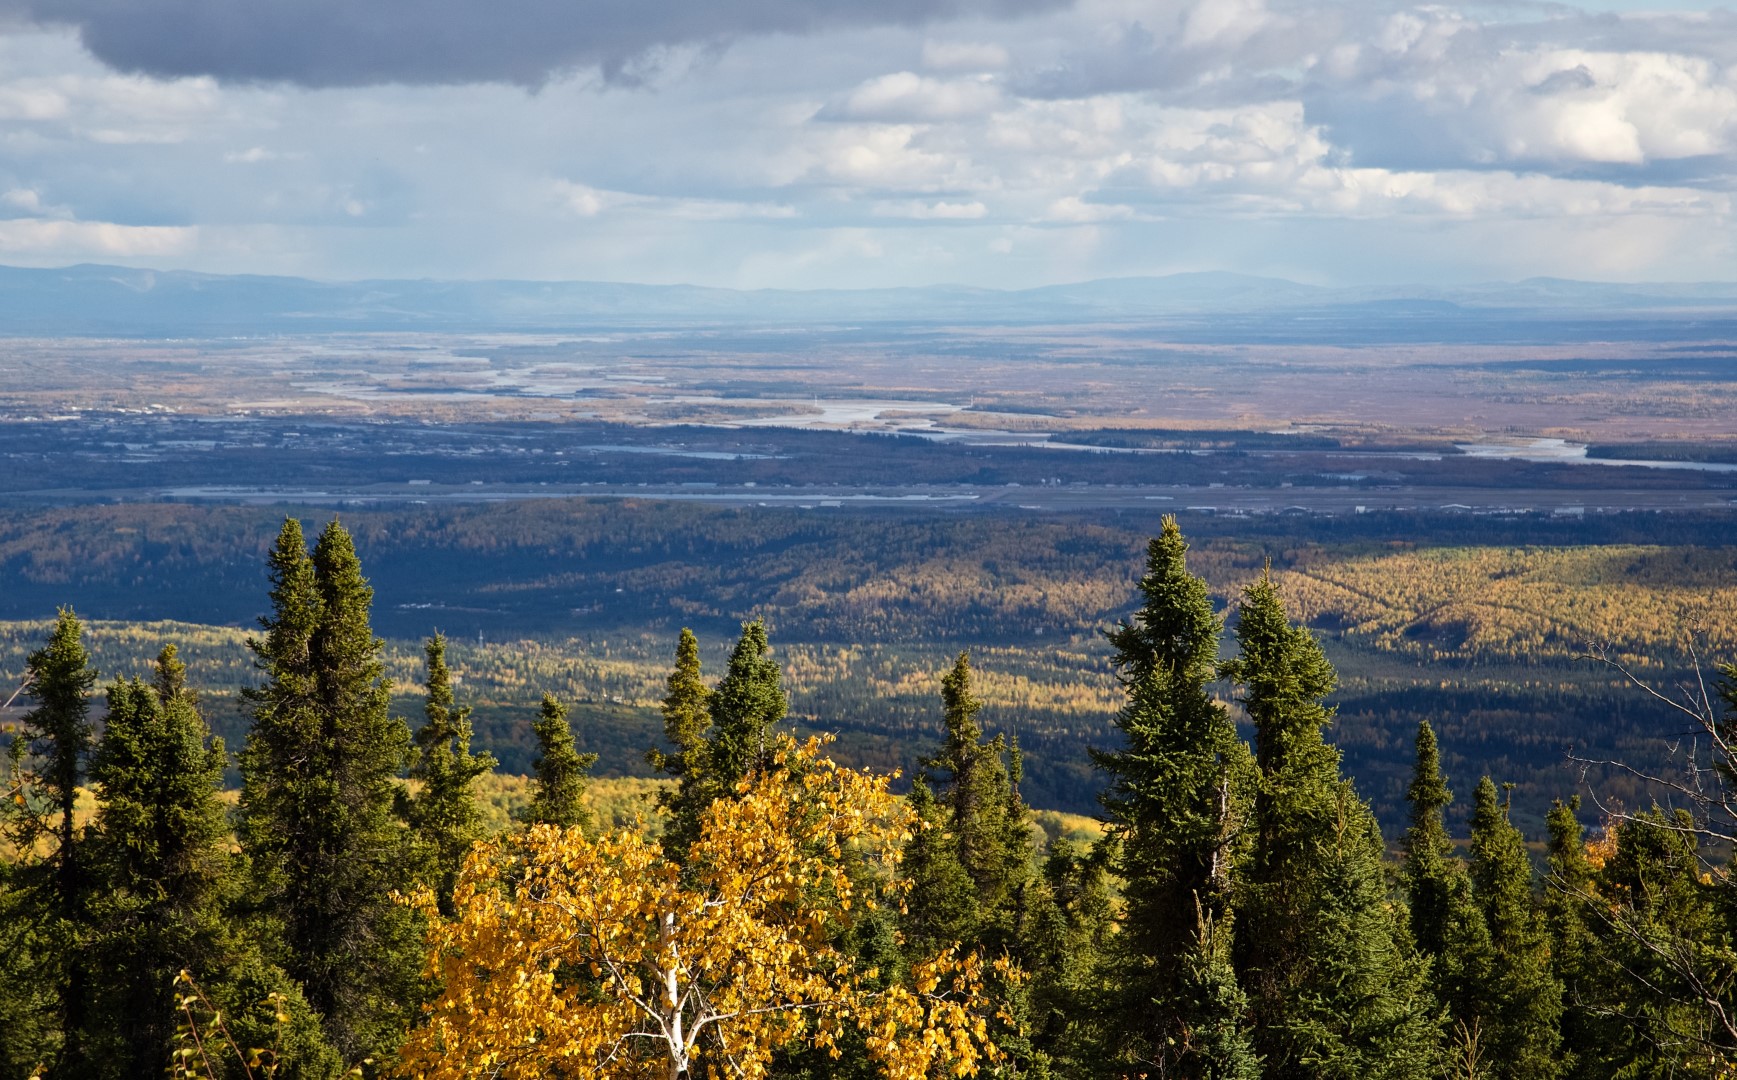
(1334, 989)
(941, 909)
(1461, 973)
(61, 679)
(986, 821)
(1428, 851)
(1174, 805)
(686, 714)
(1568, 890)
(744, 708)
(1069, 969)
(974, 868)
(159, 853)
(45, 901)
(1523, 1001)
(686, 717)
(443, 815)
(318, 793)
(559, 771)
(1447, 926)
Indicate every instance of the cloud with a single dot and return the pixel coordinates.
(326, 43)
(585, 201)
(1073, 210)
(905, 96)
(919, 210)
(26, 238)
(1433, 89)
(258, 155)
(1091, 138)
(966, 56)
(113, 109)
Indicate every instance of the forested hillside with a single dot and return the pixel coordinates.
(378, 902)
(1472, 624)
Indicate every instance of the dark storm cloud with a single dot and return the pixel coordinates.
(363, 42)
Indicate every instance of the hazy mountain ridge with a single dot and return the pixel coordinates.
(97, 300)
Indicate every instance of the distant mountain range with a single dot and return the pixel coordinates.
(92, 300)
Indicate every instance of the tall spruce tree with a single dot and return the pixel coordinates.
(159, 851)
(1522, 999)
(686, 716)
(1174, 806)
(1568, 890)
(443, 815)
(1334, 989)
(973, 868)
(987, 822)
(1447, 926)
(48, 889)
(558, 772)
(318, 793)
(744, 707)
(686, 712)
(941, 909)
(1428, 851)
(61, 680)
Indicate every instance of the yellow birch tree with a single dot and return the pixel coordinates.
(583, 958)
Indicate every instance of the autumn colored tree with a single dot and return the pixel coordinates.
(443, 815)
(558, 772)
(604, 958)
(319, 785)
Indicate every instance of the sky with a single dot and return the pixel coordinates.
(870, 143)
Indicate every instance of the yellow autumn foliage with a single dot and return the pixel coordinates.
(602, 957)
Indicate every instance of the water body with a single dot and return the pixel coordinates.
(1563, 452)
(672, 451)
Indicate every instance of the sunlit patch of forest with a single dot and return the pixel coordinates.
(1525, 606)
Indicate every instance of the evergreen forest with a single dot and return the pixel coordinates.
(334, 896)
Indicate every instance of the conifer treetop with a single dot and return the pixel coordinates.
(745, 706)
(171, 678)
(560, 771)
(1175, 629)
(1284, 674)
(686, 712)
